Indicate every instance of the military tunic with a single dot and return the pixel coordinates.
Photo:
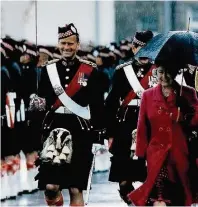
(76, 173)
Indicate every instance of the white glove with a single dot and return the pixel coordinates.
(96, 147)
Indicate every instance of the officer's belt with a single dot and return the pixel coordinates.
(63, 110)
(134, 102)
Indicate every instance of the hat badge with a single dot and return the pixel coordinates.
(73, 29)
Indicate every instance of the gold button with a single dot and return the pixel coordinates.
(168, 129)
(161, 129)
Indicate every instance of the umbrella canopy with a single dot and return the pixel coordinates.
(177, 47)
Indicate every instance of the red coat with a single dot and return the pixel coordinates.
(160, 137)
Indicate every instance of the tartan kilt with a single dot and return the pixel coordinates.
(76, 173)
(127, 169)
(122, 166)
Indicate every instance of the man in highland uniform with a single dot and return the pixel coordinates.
(122, 107)
(71, 91)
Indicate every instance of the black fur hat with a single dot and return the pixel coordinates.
(47, 50)
(141, 38)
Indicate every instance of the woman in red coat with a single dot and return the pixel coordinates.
(166, 112)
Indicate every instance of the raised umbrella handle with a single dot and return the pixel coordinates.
(196, 80)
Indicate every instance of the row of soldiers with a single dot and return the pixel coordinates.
(24, 123)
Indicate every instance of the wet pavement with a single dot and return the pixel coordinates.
(103, 193)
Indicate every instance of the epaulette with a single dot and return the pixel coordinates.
(123, 65)
(50, 62)
(87, 62)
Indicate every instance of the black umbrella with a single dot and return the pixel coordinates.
(177, 47)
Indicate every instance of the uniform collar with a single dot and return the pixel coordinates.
(69, 63)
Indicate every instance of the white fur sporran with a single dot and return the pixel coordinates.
(57, 148)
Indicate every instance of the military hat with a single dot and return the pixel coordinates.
(141, 38)
(124, 45)
(105, 55)
(91, 57)
(96, 50)
(9, 43)
(82, 54)
(115, 49)
(49, 50)
(125, 48)
(3, 51)
(104, 52)
(67, 31)
(113, 45)
(57, 54)
(11, 47)
(30, 49)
